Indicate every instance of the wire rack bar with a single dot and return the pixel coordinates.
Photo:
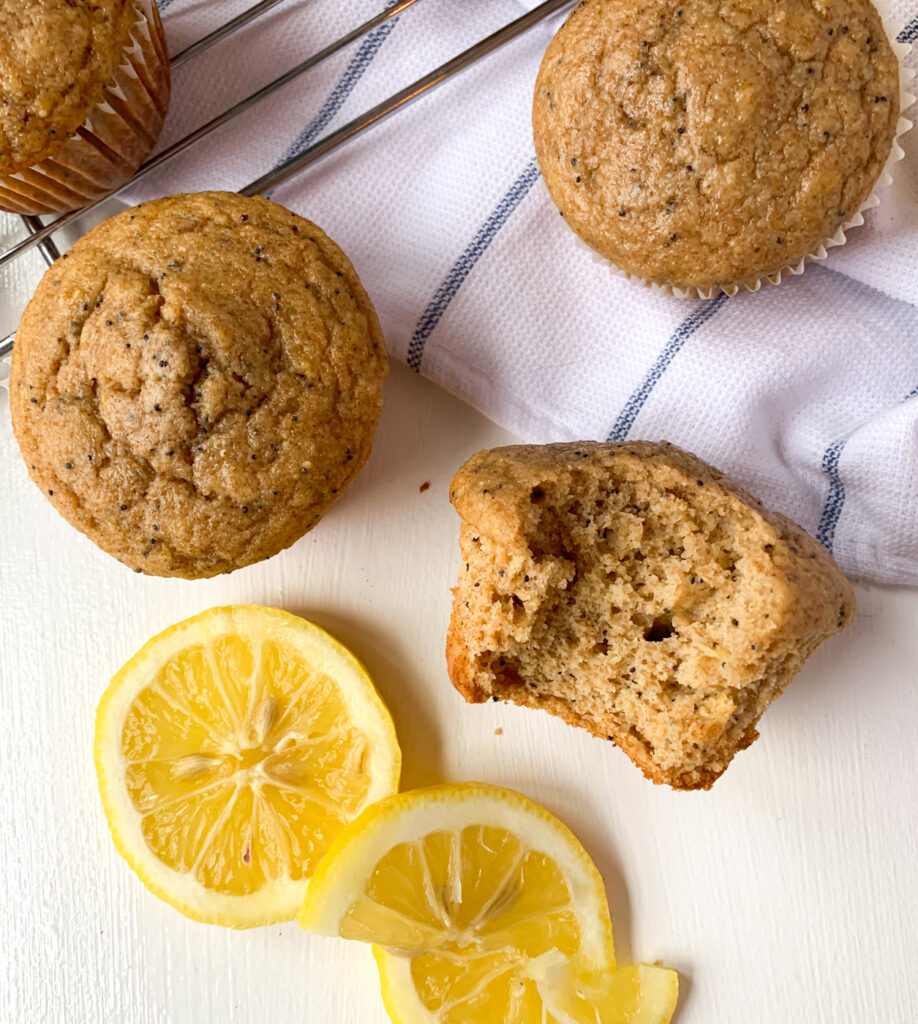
(41, 235)
(205, 42)
(405, 96)
(48, 249)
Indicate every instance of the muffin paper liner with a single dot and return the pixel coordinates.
(896, 153)
(113, 141)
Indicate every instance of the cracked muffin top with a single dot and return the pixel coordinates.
(196, 381)
(56, 58)
(710, 143)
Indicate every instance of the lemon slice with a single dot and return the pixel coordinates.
(465, 866)
(477, 889)
(548, 991)
(230, 751)
(637, 994)
(483, 907)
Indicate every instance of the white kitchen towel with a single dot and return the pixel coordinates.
(807, 393)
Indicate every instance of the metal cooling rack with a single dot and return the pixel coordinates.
(40, 234)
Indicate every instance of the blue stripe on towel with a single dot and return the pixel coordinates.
(835, 501)
(639, 396)
(461, 269)
(355, 70)
(910, 33)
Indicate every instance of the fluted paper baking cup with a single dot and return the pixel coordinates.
(753, 284)
(113, 141)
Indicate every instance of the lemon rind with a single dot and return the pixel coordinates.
(396, 986)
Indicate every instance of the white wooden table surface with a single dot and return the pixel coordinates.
(787, 893)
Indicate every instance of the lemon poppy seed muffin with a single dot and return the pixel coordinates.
(705, 145)
(635, 591)
(84, 91)
(197, 381)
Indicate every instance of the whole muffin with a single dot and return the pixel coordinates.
(85, 89)
(703, 145)
(197, 381)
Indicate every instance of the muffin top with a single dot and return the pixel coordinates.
(56, 57)
(702, 144)
(196, 381)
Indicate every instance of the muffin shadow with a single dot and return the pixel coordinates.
(390, 667)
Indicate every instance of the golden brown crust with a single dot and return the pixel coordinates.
(56, 59)
(635, 591)
(706, 144)
(196, 382)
